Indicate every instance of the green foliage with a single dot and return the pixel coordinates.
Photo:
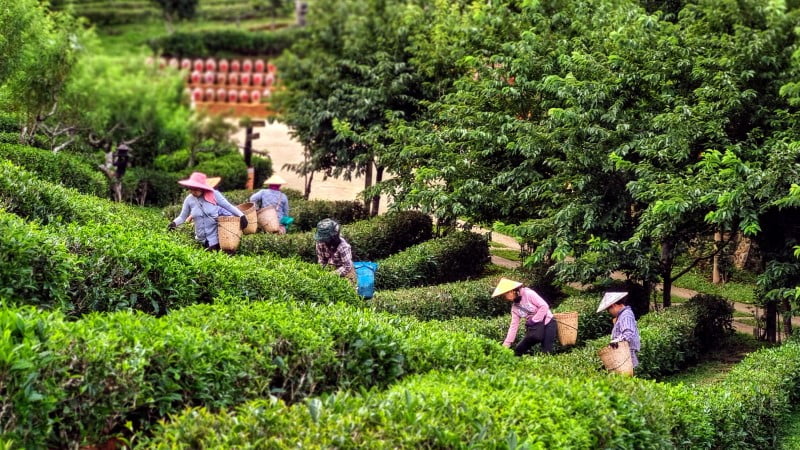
(370, 240)
(143, 186)
(221, 43)
(307, 214)
(34, 267)
(175, 10)
(230, 167)
(262, 169)
(63, 168)
(457, 256)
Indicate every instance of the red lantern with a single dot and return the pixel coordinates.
(271, 68)
(222, 77)
(233, 94)
(255, 96)
(247, 65)
(196, 76)
(266, 93)
(233, 78)
(234, 66)
(173, 62)
(244, 96)
(211, 64)
(223, 65)
(198, 65)
(222, 94)
(258, 79)
(197, 94)
(209, 97)
(208, 77)
(269, 79)
(244, 80)
(258, 66)
(186, 64)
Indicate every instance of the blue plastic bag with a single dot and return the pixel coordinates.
(365, 274)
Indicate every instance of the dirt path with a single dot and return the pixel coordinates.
(276, 141)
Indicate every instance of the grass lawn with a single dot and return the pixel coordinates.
(511, 255)
(716, 364)
(735, 291)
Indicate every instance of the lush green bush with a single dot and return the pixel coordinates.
(12, 137)
(34, 267)
(370, 240)
(144, 186)
(457, 256)
(106, 372)
(262, 169)
(62, 168)
(230, 167)
(307, 214)
(223, 43)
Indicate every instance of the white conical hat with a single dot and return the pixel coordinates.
(609, 299)
(505, 285)
(275, 179)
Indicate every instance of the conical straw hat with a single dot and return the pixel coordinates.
(609, 299)
(275, 179)
(505, 285)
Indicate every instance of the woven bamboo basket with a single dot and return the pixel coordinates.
(617, 360)
(249, 210)
(229, 232)
(567, 327)
(268, 219)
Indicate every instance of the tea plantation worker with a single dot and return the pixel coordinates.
(205, 204)
(273, 197)
(333, 250)
(529, 305)
(625, 328)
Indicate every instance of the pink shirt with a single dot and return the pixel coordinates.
(531, 304)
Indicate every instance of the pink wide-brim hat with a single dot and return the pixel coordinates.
(198, 180)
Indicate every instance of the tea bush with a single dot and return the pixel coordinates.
(307, 214)
(457, 256)
(66, 169)
(226, 42)
(34, 267)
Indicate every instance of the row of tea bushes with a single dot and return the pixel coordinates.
(36, 199)
(457, 256)
(498, 407)
(69, 170)
(370, 240)
(75, 383)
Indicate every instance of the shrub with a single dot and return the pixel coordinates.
(144, 186)
(458, 256)
(34, 268)
(222, 43)
(307, 214)
(230, 167)
(63, 168)
(262, 169)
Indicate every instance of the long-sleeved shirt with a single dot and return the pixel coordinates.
(267, 197)
(340, 257)
(625, 329)
(530, 304)
(205, 215)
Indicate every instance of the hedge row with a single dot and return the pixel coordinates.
(63, 168)
(370, 240)
(500, 407)
(226, 42)
(76, 383)
(457, 256)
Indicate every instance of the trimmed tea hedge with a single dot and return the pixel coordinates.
(93, 376)
(457, 256)
(226, 42)
(501, 407)
(370, 240)
(63, 168)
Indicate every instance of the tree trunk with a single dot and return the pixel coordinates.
(786, 306)
(770, 319)
(376, 200)
(715, 278)
(367, 185)
(309, 178)
(666, 261)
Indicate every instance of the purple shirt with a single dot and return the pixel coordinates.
(625, 329)
(530, 304)
(205, 215)
(267, 197)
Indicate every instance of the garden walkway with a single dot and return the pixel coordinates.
(276, 141)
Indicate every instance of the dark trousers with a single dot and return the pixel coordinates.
(537, 333)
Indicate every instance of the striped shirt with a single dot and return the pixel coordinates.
(530, 304)
(625, 329)
(205, 215)
(340, 257)
(267, 197)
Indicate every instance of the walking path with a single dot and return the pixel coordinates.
(276, 141)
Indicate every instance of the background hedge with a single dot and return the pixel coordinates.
(68, 170)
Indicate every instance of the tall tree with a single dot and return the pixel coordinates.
(176, 10)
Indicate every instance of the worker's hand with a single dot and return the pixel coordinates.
(614, 345)
(243, 222)
(172, 226)
(506, 345)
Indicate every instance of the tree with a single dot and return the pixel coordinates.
(175, 10)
